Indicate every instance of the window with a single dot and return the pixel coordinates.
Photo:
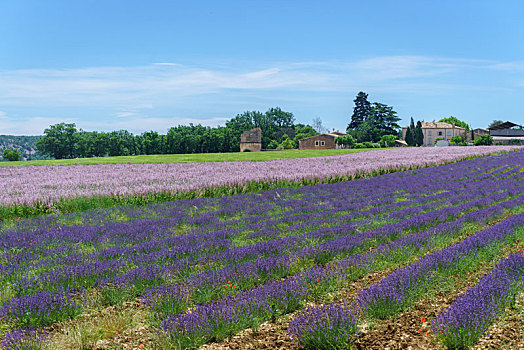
(430, 141)
(322, 143)
(449, 133)
(316, 143)
(429, 132)
(440, 133)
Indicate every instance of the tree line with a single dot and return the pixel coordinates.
(65, 141)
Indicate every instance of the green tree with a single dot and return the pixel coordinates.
(100, 143)
(495, 123)
(382, 121)
(152, 142)
(410, 138)
(345, 141)
(280, 118)
(366, 132)
(273, 144)
(456, 140)
(457, 122)
(274, 124)
(484, 140)
(385, 119)
(287, 143)
(237, 125)
(302, 131)
(59, 141)
(419, 135)
(388, 140)
(12, 154)
(118, 143)
(361, 111)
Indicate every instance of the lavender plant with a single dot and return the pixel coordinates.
(39, 309)
(400, 288)
(25, 339)
(329, 326)
(467, 319)
(239, 259)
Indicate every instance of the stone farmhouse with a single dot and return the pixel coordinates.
(251, 140)
(437, 130)
(321, 141)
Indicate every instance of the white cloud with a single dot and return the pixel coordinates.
(125, 114)
(27, 126)
(140, 97)
(514, 67)
(166, 64)
(153, 84)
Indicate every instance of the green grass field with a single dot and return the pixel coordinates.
(186, 158)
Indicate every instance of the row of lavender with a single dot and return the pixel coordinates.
(469, 317)
(198, 246)
(457, 327)
(221, 318)
(323, 213)
(186, 247)
(38, 185)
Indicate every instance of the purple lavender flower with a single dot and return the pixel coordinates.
(39, 309)
(24, 339)
(464, 322)
(328, 326)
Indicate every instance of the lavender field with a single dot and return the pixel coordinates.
(44, 187)
(351, 264)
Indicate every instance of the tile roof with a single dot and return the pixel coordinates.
(439, 125)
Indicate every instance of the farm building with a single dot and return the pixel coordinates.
(503, 133)
(475, 134)
(251, 140)
(436, 130)
(322, 141)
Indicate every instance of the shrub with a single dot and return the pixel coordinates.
(463, 323)
(346, 141)
(456, 140)
(359, 145)
(25, 339)
(329, 326)
(12, 155)
(39, 309)
(388, 140)
(484, 140)
(368, 144)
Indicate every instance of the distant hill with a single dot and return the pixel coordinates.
(25, 144)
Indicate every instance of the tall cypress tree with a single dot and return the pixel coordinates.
(361, 111)
(410, 139)
(419, 135)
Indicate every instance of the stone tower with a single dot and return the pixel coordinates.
(251, 140)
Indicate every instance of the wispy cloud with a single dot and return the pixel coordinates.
(163, 94)
(166, 64)
(117, 85)
(515, 67)
(26, 126)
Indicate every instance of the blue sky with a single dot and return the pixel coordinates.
(149, 65)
